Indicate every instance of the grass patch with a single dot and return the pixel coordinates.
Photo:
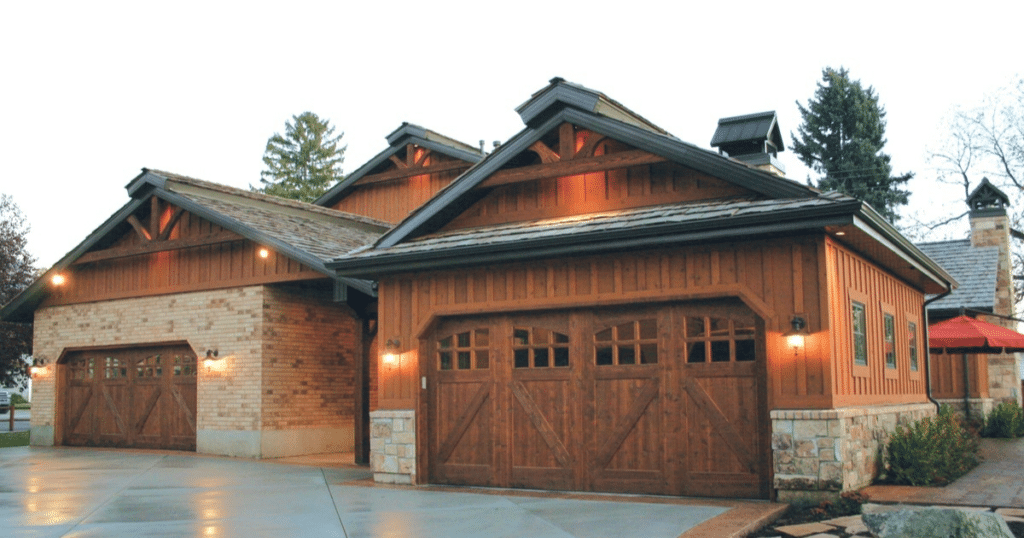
(25, 405)
(11, 439)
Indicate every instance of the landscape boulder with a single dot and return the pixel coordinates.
(936, 523)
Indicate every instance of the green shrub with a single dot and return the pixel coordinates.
(933, 451)
(17, 399)
(1006, 420)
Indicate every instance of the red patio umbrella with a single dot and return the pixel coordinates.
(964, 334)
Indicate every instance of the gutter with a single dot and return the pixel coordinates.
(927, 348)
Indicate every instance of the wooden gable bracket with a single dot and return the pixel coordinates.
(413, 166)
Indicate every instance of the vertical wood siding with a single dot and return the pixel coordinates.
(848, 274)
(231, 263)
(392, 201)
(947, 372)
(777, 275)
(636, 186)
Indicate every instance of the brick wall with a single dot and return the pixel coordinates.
(311, 350)
(229, 321)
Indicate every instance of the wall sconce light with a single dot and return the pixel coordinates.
(391, 348)
(211, 355)
(58, 279)
(795, 336)
(38, 366)
(263, 253)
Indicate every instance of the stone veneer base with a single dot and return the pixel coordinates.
(393, 446)
(820, 452)
(980, 407)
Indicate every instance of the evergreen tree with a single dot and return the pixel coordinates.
(17, 272)
(305, 162)
(842, 137)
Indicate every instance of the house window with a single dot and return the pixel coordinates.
(860, 336)
(539, 348)
(912, 338)
(890, 341)
(712, 339)
(464, 351)
(633, 342)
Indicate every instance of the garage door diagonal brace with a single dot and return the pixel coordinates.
(627, 423)
(185, 411)
(463, 423)
(113, 411)
(720, 423)
(147, 410)
(81, 412)
(541, 423)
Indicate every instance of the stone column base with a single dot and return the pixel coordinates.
(818, 453)
(393, 446)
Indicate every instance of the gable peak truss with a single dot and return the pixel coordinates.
(575, 151)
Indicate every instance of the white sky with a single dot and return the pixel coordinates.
(91, 92)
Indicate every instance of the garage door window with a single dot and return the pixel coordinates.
(115, 368)
(184, 365)
(82, 369)
(149, 367)
(710, 339)
(633, 342)
(539, 348)
(464, 351)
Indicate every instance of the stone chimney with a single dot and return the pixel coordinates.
(754, 139)
(990, 227)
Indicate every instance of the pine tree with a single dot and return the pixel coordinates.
(842, 137)
(17, 272)
(305, 162)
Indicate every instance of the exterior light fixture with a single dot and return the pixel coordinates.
(211, 355)
(263, 253)
(795, 336)
(38, 366)
(840, 233)
(391, 348)
(58, 279)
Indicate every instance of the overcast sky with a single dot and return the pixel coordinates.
(91, 92)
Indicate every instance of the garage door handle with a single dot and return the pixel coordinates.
(423, 382)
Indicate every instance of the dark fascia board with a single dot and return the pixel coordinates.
(852, 213)
(406, 134)
(602, 241)
(869, 221)
(24, 304)
(425, 218)
(256, 236)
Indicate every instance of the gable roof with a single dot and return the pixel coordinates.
(562, 102)
(406, 133)
(974, 267)
(306, 233)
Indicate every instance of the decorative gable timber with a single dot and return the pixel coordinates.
(380, 188)
(597, 174)
(462, 193)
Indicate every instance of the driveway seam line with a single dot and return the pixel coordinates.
(333, 502)
(115, 494)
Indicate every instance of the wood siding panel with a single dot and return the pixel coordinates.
(849, 273)
(231, 262)
(391, 201)
(765, 273)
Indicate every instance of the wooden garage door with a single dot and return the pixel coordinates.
(142, 397)
(665, 400)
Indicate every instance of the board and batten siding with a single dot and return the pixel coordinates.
(393, 200)
(852, 277)
(226, 261)
(775, 278)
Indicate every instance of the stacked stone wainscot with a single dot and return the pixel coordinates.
(820, 452)
(393, 446)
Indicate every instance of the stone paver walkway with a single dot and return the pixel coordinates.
(998, 482)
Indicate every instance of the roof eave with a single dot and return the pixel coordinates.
(871, 223)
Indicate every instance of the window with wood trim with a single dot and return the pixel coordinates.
(633, 342)
(150, 366)
(912, 345)
(889, 326)
(711, 339)
(858, 316)
(467, 350)
(82, 368)
(115, 368)
(185, 365)
(539, 348)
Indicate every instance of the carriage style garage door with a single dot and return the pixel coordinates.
(661, 400)
(143, 397)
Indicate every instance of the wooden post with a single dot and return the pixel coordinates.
(11, 426)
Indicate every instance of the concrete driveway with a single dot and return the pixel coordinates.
(75, 492)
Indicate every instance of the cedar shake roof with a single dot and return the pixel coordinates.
(974, 267)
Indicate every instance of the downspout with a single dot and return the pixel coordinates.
(927, 348)
(967, 381)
